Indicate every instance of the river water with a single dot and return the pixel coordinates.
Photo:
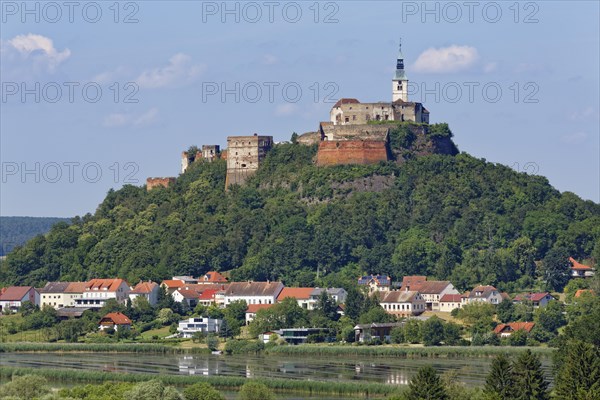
(394, 371)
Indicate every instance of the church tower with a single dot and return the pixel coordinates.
(400, 81)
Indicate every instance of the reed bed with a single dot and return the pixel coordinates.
(96, 348)
(353, 389)
(402, 352)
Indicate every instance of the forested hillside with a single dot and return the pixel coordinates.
(449, 217)
(15, 231)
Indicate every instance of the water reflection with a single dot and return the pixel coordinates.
(394, 371)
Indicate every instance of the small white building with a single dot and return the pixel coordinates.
(253, 292)
(432, 291)
(486, 294)
(148, 290)
(338, 295)
(187, 296)
(402, 303)
(13, 297)
(450, 302)
(188, 327)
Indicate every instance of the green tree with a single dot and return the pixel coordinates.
(556, 269)
(327, 307)
(152, 390)
(412, 331)
(397, 335)
(551, 317)
(354, 303)
(500, 380)
(426, 385)
(25, 387)
(253, 390)
(505, 310)
(201, 391)
(530, 383)
(432, 331)
(578, 376)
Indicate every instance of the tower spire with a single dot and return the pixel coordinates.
(400, 81)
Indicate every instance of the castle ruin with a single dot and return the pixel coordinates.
(244, 155)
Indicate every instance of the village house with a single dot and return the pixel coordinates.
(487, 294)
(116, 320)
(212, 277)
(73, 292)
(252, 309)
(505, 330)
(536, 299)
(432, 291)
(338, 295)
(13, 297)
(97, 291)
(53, 294)
(375, 283)
(172, 285)
(402, 303)
(382, 331)
(301, 295)
(253, 292)
(148, 290)
(579, 270)
(208, 297)
(188, 327)
(450, 302)
(582, 292)
(189, 297)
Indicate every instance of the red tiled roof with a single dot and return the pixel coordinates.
(412, 280)
(144, 287)
(515, 326)
(451, 298)
(208, 294)
(76, 287)
(296, 293)
(109, 285)
(537, 296)
(116, 318)
(173, 283)
(213, 277)
(189, 294)
(253, 308)
(345, 101)
(430, 287)
(578, 266)
(15, 293)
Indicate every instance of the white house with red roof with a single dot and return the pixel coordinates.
(13, 297)
(116, 320)
(432, 291)
(579, 270)
(253, 309)
(505, 330)
(402, 303)
(98, 291)
(172, 285)
(301, 295)
(208, 297)
(449, 302)
(486, 294)
(148, 290)
(187, 296)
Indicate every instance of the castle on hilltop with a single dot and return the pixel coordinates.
(356, 133)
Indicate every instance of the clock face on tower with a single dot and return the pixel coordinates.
(400, 64)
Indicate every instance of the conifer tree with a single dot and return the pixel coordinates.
(578, 376)
(426, 385)
(529, 378)
(500, 379)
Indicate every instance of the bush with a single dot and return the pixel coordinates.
(255, 391)
(25, 387)
(201, 391)
(244, 347)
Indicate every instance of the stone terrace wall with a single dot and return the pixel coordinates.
(352, 152)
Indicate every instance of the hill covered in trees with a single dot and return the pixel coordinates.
(15, 231)
(449, 217)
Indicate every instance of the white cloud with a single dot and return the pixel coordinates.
(179, 71)
(446, 59)
(490, 67)
(286, 109)
(37, 48)
(270, 59)
(585, 113)
(117, 120)
(575, 138)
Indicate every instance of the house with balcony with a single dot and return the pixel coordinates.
(98, 291)
(187, 328)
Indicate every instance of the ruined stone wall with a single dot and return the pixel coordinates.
(152, 183)
(244, 155)
(352, 152)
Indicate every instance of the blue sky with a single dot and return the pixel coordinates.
(518, 84)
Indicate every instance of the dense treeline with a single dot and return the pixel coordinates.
(15, 231)
(457, 218)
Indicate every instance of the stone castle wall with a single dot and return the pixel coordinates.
(152, 183)
(352, 152)
(244, 155)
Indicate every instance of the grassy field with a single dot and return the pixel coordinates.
(160, 332)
